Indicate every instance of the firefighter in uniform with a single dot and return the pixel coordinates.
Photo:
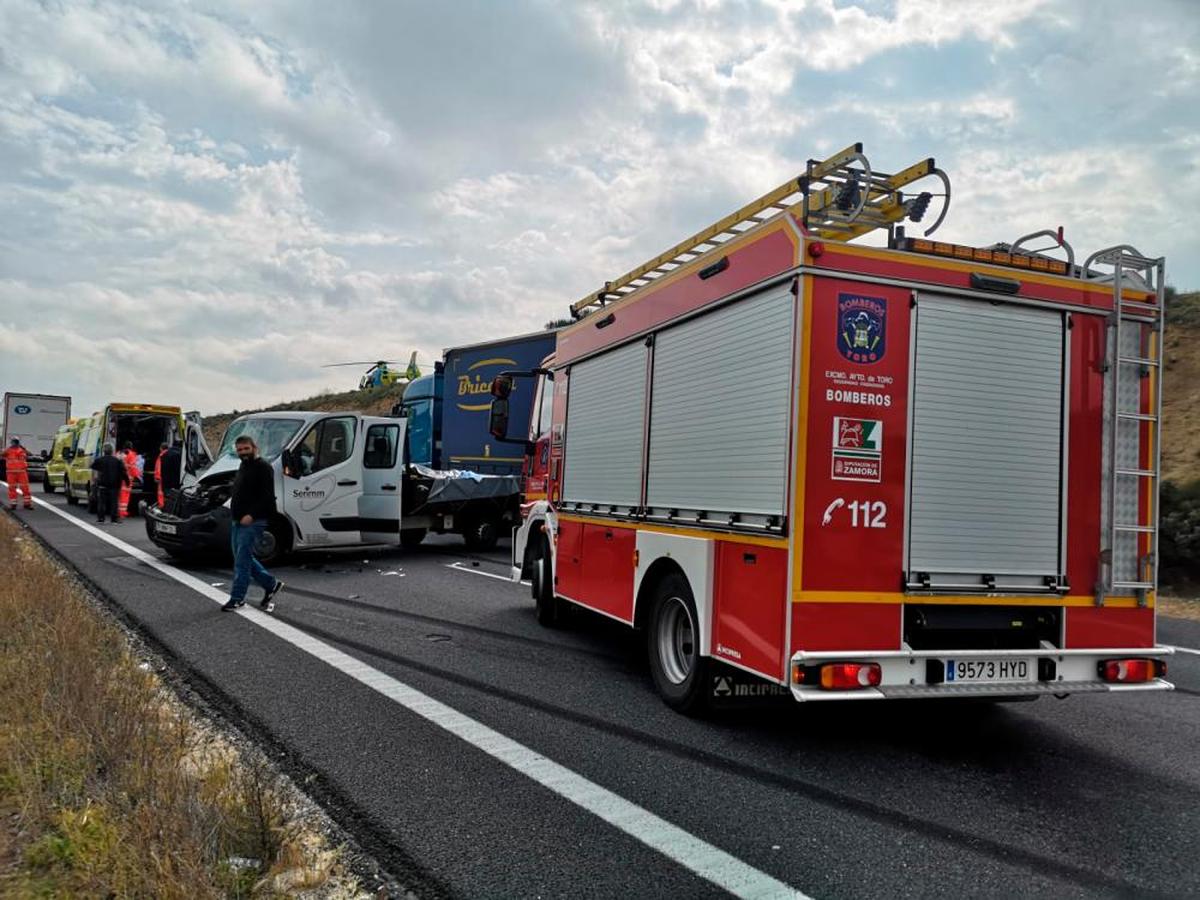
(158, 466)
(129, 457)
(16, 462)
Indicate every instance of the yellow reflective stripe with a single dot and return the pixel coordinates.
(763, 541)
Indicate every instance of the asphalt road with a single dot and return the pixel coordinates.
(1097, 795)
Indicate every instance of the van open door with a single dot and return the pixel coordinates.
(380, 506)
(196, 455)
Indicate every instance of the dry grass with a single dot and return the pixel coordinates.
(1179, 607)
(1181, 396)
(109, 785)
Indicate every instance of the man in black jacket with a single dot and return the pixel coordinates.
(251, 506)
(111, 474)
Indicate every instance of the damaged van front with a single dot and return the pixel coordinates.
(196, 519)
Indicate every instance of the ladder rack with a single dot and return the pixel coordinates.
(839, 198)
(1129, 562)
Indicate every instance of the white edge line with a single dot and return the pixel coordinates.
(682, 847)
(459, 567)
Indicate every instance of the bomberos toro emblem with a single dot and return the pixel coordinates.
(862, 327)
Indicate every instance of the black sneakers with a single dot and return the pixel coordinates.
(268, 601)
(231, 605)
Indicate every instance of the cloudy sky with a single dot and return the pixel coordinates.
(202, 202)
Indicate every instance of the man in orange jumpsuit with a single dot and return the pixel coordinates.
(129, 457)
(158, 461)
(16, 464)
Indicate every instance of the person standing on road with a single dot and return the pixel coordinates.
(129, 458)
(16, 466)
(251, 506)
(172, 468)
(158, 467)
(111, 478)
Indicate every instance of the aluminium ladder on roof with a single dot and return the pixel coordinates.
(1129, 562)
(839, 198)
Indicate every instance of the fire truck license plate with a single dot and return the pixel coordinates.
(164, 528)
(984, 671)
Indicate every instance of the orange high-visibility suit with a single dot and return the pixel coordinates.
(16, 464)
(129, 457)
(162, 501)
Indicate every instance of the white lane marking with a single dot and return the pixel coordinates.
(473, 571)
(684, 848)
(1185, 650)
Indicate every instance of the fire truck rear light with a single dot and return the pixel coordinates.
(797, 673)
(850, 676)
(1131, 671)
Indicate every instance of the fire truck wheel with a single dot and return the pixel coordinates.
(673, 644)
(541, 585)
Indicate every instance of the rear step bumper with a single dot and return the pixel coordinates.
(904, 673)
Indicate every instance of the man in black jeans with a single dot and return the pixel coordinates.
(251, 506)
(110, 475)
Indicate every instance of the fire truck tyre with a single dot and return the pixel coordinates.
(72, 500)
(673, 644)
(541, 585)
(275, 543)
(410, 538)
(481, 533)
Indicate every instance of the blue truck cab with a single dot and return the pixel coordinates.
(466, 401)
(422, 403)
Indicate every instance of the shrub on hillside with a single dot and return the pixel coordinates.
(1179, 542)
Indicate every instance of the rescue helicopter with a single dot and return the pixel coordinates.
(381, 373)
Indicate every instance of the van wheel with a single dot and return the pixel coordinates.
(410, 538)
(72, 500)
(275, 543)
(47, 487)
(541, 584)
(680, 673)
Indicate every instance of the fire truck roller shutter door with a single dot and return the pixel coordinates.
(986, 443)
(720, 444)
(605, 411)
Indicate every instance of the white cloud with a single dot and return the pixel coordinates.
(210, 201)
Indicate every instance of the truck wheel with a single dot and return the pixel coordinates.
(275, 543)
(410, 538)
(673, 644)
(72, 500)
(481, 533)
(541, 585)
(47, 487)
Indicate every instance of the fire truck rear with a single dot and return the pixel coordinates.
(853, 472)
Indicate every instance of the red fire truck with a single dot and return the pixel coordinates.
(915, 470)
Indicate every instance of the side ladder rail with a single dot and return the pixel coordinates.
(1147, 362)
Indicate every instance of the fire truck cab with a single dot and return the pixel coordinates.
(935, 473)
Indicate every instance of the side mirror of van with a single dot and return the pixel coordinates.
(290, 465)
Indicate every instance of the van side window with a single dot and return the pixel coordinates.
(382, 442)
(329, 442)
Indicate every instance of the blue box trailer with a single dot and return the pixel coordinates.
(466, 399)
